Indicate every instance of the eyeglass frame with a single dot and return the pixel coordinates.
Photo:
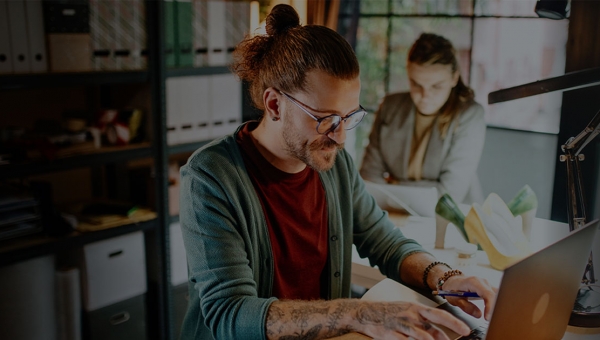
(319, 120)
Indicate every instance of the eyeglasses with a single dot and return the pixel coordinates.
(330, 123)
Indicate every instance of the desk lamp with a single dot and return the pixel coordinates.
(586, 312)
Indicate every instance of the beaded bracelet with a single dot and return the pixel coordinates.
(446, 276)
(426, 271)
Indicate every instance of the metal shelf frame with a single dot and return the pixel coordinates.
(112, 155)
(46, 80)
(197, 71)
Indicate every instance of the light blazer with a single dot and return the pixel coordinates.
(449, 164)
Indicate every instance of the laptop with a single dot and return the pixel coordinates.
(537, 294)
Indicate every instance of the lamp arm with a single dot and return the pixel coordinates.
(590, 132)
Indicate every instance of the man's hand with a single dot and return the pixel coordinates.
(399, 320)
(379, 320)
(472, 284)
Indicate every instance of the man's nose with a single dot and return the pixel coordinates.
(338, 134)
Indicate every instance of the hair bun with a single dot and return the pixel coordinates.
(282, 18)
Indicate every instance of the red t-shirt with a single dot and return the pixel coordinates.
(296, 212)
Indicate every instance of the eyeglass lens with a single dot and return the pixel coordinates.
(331, 123)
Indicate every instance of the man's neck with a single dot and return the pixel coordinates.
(270, 145)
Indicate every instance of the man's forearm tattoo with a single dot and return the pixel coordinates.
(312, 334)
(385, 315)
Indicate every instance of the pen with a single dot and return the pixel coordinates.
(444, 293)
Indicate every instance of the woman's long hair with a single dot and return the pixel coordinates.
(434, 49)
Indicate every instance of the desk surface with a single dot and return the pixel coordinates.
(422, 229)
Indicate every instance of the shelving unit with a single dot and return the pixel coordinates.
(41, 80)
(154, 151)
(24, 248)
(95, 158)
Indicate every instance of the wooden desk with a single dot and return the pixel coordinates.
(544, 232)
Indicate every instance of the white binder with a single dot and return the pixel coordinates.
(37, 39)
(217, 49)
(226, 104)
(18, 36)
(102, 34)
(5, 52)
(187, 110)
(195, 109)
(173, 110)
(200, 33)
(237, 24)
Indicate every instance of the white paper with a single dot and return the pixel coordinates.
(389, 290)
(417, 201)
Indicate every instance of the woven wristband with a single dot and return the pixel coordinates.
(428, 269)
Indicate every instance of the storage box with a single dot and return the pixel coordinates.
(114, 270)
(123, 320)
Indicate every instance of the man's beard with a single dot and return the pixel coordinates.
(309, 154)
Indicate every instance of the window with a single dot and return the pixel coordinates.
(500, 44)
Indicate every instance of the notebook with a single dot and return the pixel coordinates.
(536, 295)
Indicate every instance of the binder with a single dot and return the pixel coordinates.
(102, 21)
(203, 110)
(170, 21)
(242, 20)
(230, 29)
(173, 110)
(18, 36)
(37, 39)
(5, 52)
(216, 34)
(140, 60)
(124, 35)
(237, 24)
(225, 104)
(184, 40)
(195, 109)
(200, 20)
(187, 111)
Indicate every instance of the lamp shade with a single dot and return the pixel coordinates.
(552, 9)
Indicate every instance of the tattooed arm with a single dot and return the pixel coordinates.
(288, 320)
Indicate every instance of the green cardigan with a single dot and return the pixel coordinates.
(230, 263)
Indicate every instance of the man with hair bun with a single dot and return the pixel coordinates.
(269, 214)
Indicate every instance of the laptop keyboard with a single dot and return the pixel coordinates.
(476, 334)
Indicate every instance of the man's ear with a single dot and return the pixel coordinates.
(271, 101)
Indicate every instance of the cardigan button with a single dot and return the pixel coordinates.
(334, 238)
(336, 274)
